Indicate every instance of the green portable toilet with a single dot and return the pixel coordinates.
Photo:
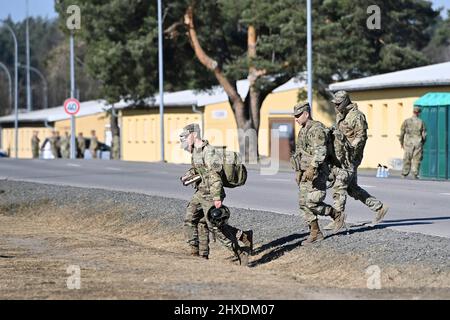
(436, 115)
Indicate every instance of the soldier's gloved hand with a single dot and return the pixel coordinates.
(310, 173)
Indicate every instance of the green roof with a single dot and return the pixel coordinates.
(434, 99)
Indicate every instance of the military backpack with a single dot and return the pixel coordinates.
(234, 172)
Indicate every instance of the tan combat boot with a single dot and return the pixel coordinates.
(380, 214)
(247, 239)
(315, 234)
(338, 221)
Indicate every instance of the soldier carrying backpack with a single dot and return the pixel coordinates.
(212, 170)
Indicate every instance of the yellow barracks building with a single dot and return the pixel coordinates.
(140, 126)
(92, 116)
(387, 100)
(211, 110)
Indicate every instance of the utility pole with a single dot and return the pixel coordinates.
(161, 78)
(28, 60)
(309, 52)
(72, 95)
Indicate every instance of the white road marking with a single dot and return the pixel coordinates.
(114, 169)
(366, 186)
(73, 165)
(445, 194)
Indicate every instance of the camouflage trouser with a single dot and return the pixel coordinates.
(413, 154)
(347, 183)
(65, 153)
(35, 153)
(311, 198)
(197, 226)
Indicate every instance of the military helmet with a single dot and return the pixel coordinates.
(218, 216)
(193, 127)
(417, 109)
(301, 107)
(340, 96)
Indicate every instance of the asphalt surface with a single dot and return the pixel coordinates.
(415, 206)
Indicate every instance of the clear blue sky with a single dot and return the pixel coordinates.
(45, 8)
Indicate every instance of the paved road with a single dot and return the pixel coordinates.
(415, 206)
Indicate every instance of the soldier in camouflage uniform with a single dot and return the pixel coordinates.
(351, 125)
(65, 146)
(309, 162)
(81, 145)
(54, 144)
(35, 145)
(412, 138)
(93, 145)
(209, 193)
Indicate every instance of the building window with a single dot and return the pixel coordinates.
(370, 119)
(145, 134)
(385, 119)
(136, 131)
(130, 131)
(399, 116)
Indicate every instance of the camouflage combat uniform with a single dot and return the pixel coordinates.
(65, 147)
(55, 146)
(310, 163)
(208, 190)
(81, 146)
(312, 151)
(93, 146)
(412, 138)
(353, 125)
(35, 146)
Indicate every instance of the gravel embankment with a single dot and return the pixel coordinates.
(377, 245)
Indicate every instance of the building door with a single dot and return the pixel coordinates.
(285, 128)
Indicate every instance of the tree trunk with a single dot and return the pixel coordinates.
(115, 133)
(247, 132)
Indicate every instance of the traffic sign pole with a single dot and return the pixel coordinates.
(72, 95)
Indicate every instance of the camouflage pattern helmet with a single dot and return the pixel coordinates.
(417, 109)
(301, 107)
(193, 127)
(218, 216)
(340, 97)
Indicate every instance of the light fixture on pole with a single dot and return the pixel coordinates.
(44, 82)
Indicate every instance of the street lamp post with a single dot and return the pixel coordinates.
(73, 149)
(161, 78)
(28, 60)
(16, 81)
(309, 52)
(44, 82)
(8, 75)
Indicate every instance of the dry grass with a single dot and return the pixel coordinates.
(148, 260)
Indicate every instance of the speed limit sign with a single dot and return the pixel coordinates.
(72, 106)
